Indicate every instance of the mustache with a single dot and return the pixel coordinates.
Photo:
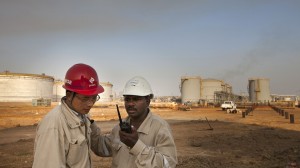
(131, 108)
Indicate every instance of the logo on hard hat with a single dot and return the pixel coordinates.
(68, 81)
(134, 82)
(92, 80)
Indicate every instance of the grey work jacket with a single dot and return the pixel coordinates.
(62, 140)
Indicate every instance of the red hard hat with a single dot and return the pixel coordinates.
(82, 79)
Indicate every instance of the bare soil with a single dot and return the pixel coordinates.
(205, 137)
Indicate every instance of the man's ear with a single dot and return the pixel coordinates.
(148, 100)
(69, 96)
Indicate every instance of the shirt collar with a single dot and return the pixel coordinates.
(146, 124)
(74, 119)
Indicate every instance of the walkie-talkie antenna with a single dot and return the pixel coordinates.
(124, 126)
(120, 119)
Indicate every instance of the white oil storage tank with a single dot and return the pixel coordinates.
(190, 89)
(107, 95)
(58, 91)
(259, 90)
(209, 87)
(21, 87)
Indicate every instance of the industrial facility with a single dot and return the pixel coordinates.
(194, 89)
(259, 90)
(38, 89)
(41, 88)
(21, 87)
(210, 88)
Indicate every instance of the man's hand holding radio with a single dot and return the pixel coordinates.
(129, 139)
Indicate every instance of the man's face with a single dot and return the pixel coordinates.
(82, 103)
(136, 106)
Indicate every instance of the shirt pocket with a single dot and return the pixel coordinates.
(118, 158)
(77, 150)
(116, 146)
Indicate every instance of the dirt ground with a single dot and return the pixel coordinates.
(205, 137)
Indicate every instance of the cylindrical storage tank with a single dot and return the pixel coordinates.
(259, 90)
(58, 91)
(251, 90)
(21, 87)
(264, 90)
(107, 95)
(190, 89)
(209, 87)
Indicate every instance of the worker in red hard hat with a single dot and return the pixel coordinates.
(63, 135)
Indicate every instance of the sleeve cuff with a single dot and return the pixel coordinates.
(137, 148)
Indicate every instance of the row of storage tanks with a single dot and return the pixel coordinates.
(195, 89)
(21, 87)
(259, 90)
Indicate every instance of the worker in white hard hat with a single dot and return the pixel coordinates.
(149, 143)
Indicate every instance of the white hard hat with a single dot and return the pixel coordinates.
(138, 86)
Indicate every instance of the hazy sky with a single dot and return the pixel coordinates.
(161, 40)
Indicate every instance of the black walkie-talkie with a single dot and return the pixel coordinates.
(123, 125)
